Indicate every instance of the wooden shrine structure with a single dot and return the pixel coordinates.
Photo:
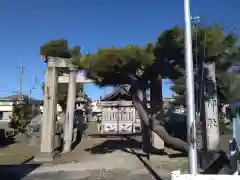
(118, 113)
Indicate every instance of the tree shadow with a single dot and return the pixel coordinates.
(7, 141)
(127, 145)
(112, 135)
(217, 163)
(111, 145)
(178, 155)
(144, 162)
(16, 171)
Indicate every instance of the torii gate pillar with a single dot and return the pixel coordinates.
(49, 115)
(68, 126)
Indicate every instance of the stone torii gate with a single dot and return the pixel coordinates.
(48, 125)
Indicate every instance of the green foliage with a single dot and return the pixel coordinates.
(19, 118)
(209, 43)
(165, 59)
(55, 48)
(228, 88)
(60, 48)
(112, 66)
(179, 88)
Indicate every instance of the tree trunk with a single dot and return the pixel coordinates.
(146, 131)
(156, 127)
(156, 103)
(157, 98)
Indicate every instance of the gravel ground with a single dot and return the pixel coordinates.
(93, 158)
(114, 166)
(18, 152)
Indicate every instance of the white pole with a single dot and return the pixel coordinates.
(192, 153)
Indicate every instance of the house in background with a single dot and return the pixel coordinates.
(6, 108)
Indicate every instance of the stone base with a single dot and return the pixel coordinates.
(44, 157)
(213, 162)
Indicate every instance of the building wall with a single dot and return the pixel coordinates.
(6, 108)
(5, 119)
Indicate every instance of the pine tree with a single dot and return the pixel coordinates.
(19, 118)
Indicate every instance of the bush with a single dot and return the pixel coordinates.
(19, 118)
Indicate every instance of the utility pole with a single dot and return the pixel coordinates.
(30, 95)
(192, 153)
(31, 103)
(21, 83)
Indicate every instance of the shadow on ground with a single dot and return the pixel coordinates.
(4, 142)
(16, 171)
(146, 165)
(127, 145)
(112, 145)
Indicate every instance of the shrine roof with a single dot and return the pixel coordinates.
(119, 90)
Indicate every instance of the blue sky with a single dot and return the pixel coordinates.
(25, 25)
